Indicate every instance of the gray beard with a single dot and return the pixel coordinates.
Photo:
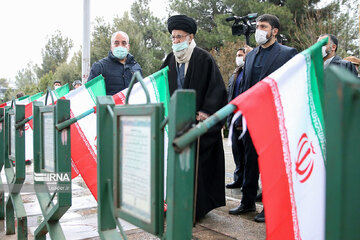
(184, 55)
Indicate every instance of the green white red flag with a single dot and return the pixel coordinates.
(58, 93)
(83, 132)
(285, 121)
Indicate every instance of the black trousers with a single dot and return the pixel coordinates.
(238, 152)
(251, 172)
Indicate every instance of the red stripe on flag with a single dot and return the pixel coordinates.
(258, 106)
(84, 158)
(29, 112)
(3, 105)
(119, 98)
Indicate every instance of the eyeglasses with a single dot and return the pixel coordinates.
(178, 37)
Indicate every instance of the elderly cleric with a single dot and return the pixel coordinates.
(191, 67)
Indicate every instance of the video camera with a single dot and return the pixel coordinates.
(281, 38)
(245, 25)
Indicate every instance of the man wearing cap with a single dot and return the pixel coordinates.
(191, 67)
(76, 84)
(56, 84)
(118, 67)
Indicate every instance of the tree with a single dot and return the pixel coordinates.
(67, 73)
(100, 43)
(9, 94)
(334, 18)
(26, 77)
(4, 83)
(46, 81)
(153, 42)
(225, 58)
(205, 13)
(56, 51)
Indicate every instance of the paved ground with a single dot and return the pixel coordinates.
(80, 221)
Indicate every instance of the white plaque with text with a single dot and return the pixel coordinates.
(12, 135)
(136, 166)
(48, 141)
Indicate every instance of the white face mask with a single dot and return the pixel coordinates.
(323, 51)
(260, 37)
(239, 61)
(56, 87)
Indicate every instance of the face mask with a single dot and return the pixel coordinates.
(323, 51)
(260, 37)
(56, 87)
(177, 47)
(239, 61)
(120, 52)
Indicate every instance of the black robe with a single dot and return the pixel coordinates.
(204, 77)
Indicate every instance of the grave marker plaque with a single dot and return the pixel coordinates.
(12, 136)
(135, 134)
(48, 141)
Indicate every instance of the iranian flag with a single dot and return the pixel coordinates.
(23, 100)
(27, 101)
(58, 93)
(83, 132)
(284, 118)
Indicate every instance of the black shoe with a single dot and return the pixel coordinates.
(260, 217)
(27, 162)
(242, 209)
(258, 197)
(233, 185)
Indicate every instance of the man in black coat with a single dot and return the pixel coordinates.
(260, 63)
(330, 57)
(237, 145)
(118, 67)
(191, 67)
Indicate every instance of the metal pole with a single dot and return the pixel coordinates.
(181, 142)
(86, 41)
(66, 123)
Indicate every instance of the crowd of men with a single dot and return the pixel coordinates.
(191, 67)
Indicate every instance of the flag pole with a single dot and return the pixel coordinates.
(85, 68)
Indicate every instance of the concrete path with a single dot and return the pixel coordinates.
(80, 221)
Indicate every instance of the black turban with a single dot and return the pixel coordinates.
(182, 22)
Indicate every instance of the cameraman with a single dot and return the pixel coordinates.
(260, 63)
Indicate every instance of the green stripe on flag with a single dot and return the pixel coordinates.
(23, 97)
(61, 91)
(96, 87)
(160, 84)
(35, 96)
(315, 72)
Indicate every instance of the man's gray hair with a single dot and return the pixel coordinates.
(119, 32)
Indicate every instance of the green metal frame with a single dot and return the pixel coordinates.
(15, 178)
(342, 118)
(2, 157)
(52, 210)
(105, 155)
(110, 207)
(180, 168)
(155, 113)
